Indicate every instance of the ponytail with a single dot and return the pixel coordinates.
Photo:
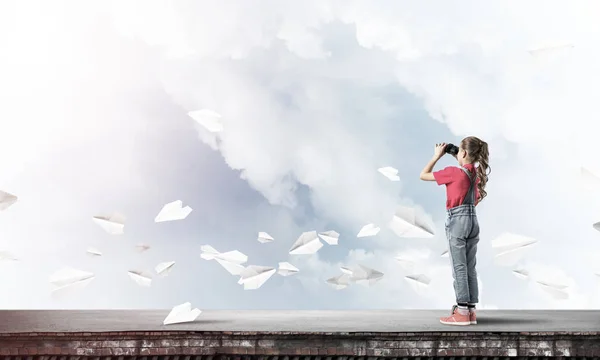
(483, 170)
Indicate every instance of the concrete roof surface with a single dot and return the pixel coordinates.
(21, 321)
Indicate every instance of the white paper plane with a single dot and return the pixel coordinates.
(254, 276)
(346, 270)
(390, 173)
(141, 278)
(445, 254)
(540, 51)
(6, 200)
(173, 211)
(555, 293)
(164, 267)
(142, 247)
(112, 224)
(7, 256)
(368, 231)
(93, 251)
(406, 264)
(407, 224)
(68, 277)
(418, 282)
(263, 237)
(552, 284)
(182, 314)
(330, 237)
(308, 243)
(209, 119)
(339, 282)
(365, 276)
(232, 260)
(521, 274)
(597, 226)
(287, 269)
(510, 248)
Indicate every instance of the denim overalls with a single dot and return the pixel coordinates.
(462, 231)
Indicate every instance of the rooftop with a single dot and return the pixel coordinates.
(381, 321)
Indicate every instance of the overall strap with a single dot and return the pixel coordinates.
(470, 197)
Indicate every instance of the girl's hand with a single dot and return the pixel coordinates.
(440, 150)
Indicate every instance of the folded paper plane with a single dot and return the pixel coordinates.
(339, 282)
(7, 256)
(445, 254)
(287, 269)
(368, 231)
(596, 226)
(182, 314)
(555, 293)
(330, 237)
(254, 276)
(69, 277)
(142, 247)
(164, 267)
(406, 223)
(390, 173)
(210, 120)
(510, 248)
(112, 224)
(6, 200)
(545, 50)
(93, 251)
(232, 260)
(521, 274)
(141, 278)
(173, 211)
(263, 237)
(366, 276)
(308, 243)
(418, 282)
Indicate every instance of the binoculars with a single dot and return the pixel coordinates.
(451, 149)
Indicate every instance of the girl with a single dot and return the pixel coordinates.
(465, 188)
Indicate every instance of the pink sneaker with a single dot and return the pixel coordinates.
(472, 317)
(456, 318)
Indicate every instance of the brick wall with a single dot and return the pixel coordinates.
(290, 346)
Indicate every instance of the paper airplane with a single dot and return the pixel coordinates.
(557, 294)
(6, 200)
(366, 276)
(406, 264)
(368, 230)
(445, 254)
(7, 256)
(142, 247)
(254, 276)
(181, 314)
(94, 251)
(141, 278)
(263, 237)
(549, 49)
(510, 248)
(339, 282)
(330, 237)
(164, 267)
(418, 282)
(112, 224)
(597, 226)
(232, 260)
(209, 119)
(346, 270)
(173, 211)
(287, 269)
(308, 243)
(69, 277)
(553, 285)
(390, 173)
(407, 224)
(521, 274)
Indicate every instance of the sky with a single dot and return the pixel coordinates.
(315, 96)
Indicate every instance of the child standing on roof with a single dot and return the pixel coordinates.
(465, 188)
